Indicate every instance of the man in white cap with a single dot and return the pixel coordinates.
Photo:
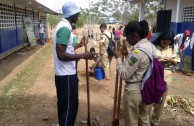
(66, 80)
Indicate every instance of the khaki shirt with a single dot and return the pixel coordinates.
(105, 41)
(168, 53)
(136, 64)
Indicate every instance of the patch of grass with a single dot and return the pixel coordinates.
(12, 95)
(29, 74)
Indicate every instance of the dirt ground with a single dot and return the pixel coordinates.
(35, 105)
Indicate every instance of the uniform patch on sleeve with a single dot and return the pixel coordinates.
(137, 51)
(101, 38)
(132, 61)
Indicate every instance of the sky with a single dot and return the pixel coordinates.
(57, 4)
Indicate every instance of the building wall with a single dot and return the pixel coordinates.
(171, 5)
(188, 3)
(12, 30)
(179, 22)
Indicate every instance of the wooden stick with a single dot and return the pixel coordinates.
(115, 99)
(120, 86)
(120, 89)
(118, 102)
(114, 120)
(88, 91)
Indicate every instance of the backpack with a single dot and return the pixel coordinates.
(153, 85)
(111, 46)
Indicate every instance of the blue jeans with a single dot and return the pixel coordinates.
(67, 95)
(42, 40)
(192, 60)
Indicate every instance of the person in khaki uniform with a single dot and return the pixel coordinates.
(104, 41)
(136, 113)
(167, 55)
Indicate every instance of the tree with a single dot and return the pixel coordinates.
(54, 20)
(81, 20)
(117, 14)
(151, 9)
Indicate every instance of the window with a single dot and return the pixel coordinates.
(20, 13)
(7, 17)
(188, 14)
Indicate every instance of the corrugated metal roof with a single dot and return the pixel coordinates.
(34, 5)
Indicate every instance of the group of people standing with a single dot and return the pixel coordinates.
(132, 71)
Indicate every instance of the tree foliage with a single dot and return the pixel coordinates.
(121, 10)
(117, 15)
(151, 9)
(53, 20)
(81, 20)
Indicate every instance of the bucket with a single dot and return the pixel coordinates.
(99, 72)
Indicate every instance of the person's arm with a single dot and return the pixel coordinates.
(187, 42)
(171, 61)
(82, 42)
(127, 69)
(62, 38)
(177, 37)
(101, 45)
(191, 45)
(96, 63)
(63, 56)
(75, 43)
(192, 42)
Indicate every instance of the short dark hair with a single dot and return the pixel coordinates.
(140, 28)
(92, 49)
(103, 25)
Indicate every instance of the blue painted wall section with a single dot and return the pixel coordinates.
(179, 28)
(176, 27)
(0, 43)
(8, 40)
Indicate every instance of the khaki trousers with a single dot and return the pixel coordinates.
(158, 108)
(136, 113)
(106, 66)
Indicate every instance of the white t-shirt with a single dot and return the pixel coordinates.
(41, 30)
(178, 40)
(192, 41)
(64, 67)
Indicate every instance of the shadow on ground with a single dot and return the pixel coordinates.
(9, 63)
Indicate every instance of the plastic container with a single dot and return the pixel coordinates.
(99, 72)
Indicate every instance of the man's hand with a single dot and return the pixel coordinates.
(88, 55)
(159, 57)
(171, 61)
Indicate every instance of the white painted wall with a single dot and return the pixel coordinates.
(188, 3)
(172, 5)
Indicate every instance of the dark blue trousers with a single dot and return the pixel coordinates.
(67, 95)
(192, 60)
